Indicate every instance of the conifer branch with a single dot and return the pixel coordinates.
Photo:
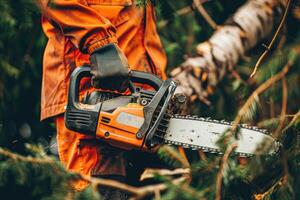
(138, 192)
(263, 87)
(172, 153)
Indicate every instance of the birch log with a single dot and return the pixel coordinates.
(251, 23)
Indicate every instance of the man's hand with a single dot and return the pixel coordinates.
(194, 80)
(109, 67)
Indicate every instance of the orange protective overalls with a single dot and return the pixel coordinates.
(74, 29)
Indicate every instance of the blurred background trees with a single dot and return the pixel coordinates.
(181, 28)
(21, 46)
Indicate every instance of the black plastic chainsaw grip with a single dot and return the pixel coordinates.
(146, 78)
(80, 117)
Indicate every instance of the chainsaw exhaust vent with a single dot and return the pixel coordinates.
(105, 120)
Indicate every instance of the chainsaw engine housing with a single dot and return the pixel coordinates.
(137, 120)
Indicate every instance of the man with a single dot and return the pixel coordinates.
(113, 36)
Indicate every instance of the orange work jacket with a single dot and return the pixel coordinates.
(75, 28)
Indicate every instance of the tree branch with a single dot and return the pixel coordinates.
(283, 108)
(225, 157)
(25, 159)
(139, 192)
(205, 15)
(263, 87)
(272, 41)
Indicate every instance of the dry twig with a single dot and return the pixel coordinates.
(201, 155)
(29, 159)
(179, 12)
(221, 171)
(283, 108)
(150, 173)
(182, 153)
(182, 11)
(270, 190)
(205, 15)
(295, 117)
(272, 41)
(138, 192)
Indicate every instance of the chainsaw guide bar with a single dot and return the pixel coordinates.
(198, 133)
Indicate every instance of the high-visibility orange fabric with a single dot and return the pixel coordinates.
(75, 28)
(86, 155)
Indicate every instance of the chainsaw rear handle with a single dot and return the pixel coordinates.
(83, 118)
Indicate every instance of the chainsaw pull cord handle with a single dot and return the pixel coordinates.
(83, 118)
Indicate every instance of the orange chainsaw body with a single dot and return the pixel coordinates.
(118, 132)
(135, 121)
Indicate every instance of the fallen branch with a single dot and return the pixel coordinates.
(221, 52)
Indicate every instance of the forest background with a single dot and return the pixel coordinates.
(28, 146)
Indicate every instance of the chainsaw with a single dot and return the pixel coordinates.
(142, 119)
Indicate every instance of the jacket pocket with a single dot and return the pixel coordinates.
(116, 11)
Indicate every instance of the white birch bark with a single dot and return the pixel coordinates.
(251, 23)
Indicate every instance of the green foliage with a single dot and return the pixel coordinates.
(260, 174)
(38, 177)
(21, 47)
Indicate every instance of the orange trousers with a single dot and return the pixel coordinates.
(86, 155)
